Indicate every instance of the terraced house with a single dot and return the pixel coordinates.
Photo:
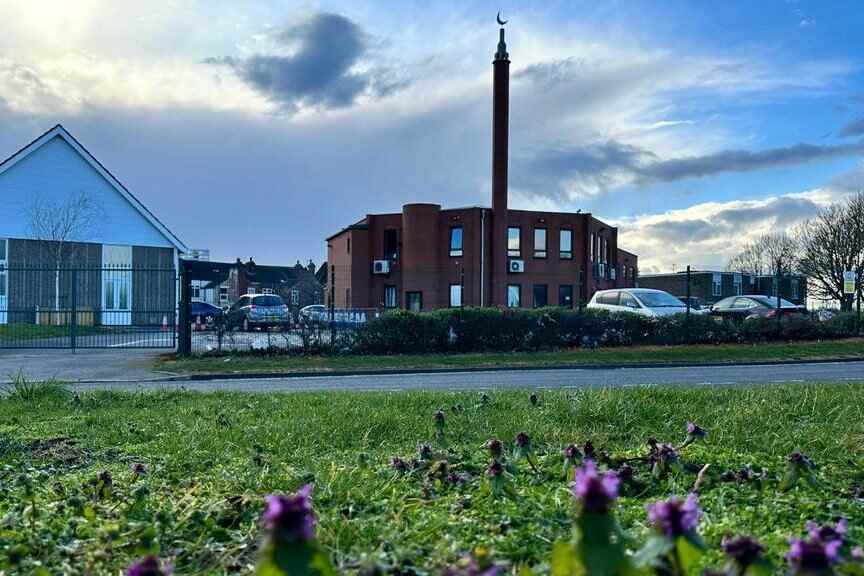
(427, 257)
(72, 235)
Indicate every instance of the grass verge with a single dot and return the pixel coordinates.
(731, 353)
(211, 458)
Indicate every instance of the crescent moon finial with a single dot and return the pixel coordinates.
(498, 18)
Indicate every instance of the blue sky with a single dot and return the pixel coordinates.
(258, 129)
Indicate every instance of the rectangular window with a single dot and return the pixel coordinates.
(390, 297)
(514, 242)
(251, 290)
(591, 247)
(540, 243)
(414, 301)
(456, 241)
(716, 284)
(348, 246)
(196, 290)
(348, 298)
(514, 295)
(541, 296)
(565, 244)
(295, 296)
(266, 291)
(565, 296)
(736, 280)
(794, 288)
(455, 295)
(391, 244)
(605, 253)
(223, 295)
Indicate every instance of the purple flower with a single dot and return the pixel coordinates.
(800, 461)
(694, 431)
(812, 556)
(398, 464)
(149, 566)
(588, 450)
(495, 469)
(858, 554)
(673, 517)
(572, 453)
(523, 440)
(291, 517)
(439, 417)
(743, 550)
(625, 473)
(495, 448)
(596, 493)
(425, 451)
(139, 468)
(827, 533)
(533, 398)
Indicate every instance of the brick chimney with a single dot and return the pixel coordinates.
(500, 136)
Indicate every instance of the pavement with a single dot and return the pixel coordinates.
(850, 372)
(81, 365)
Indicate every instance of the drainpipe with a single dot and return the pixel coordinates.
(482, 253)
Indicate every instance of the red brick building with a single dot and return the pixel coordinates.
(427, 257)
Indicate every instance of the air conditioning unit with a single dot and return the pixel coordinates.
(381, 267)
(517, 266)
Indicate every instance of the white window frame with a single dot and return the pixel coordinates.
(295, 297)
(223, 295)
(266, 291)
(455, 295)
(250, 290)
(568, 253)
(391, 299)
(541, 249)
(716, 284)
(518, 288)
(738, 282)
(795, 288)
(196, 289)
(591, 249)
(457, 250)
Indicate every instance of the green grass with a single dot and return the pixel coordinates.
(213, 458)
(852, 348)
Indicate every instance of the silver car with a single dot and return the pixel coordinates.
(642, 301)
(258, 311)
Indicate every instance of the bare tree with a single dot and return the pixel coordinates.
(832, 243)
(60, 223)
(768, 254)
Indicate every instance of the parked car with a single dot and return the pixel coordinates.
(644, 301)
(825, 314)
(316, 313)
(696, 305)
(204, 313)
(258, 311)
(740, 308)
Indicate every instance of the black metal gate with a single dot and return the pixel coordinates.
(105, 307)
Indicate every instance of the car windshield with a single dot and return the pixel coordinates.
(658, 300)
(267, 301)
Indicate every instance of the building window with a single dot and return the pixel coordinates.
(605, 253)
(794, 282)
(540, 243)
(716, 284)
(591, 247)
(565, 244)
(514, 242)
(295, 297)
(348, 246)
(565, 296)
(196, 290)
(390, 297)
(414, 301)
(391, 244)
(541, 296)
(456, 241)
(455, 295)
(266, 291)
(348, 298)
(223, 295)
(736, 281)
(514, 295)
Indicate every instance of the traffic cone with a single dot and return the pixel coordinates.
(164, 323)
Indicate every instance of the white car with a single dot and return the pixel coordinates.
(644, 301)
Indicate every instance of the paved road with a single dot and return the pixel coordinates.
(569, 378)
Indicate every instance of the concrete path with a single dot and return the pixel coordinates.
(81, 365)
(565, 378)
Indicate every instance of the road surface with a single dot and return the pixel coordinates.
(557, 378)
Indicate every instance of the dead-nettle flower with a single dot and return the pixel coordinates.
(533, 399)
(495, 448)
(105, 479)
(744, 551)
(595, 493)
(523, 441)
(827, 533)
(439, 421)
(398, 464)
(625, 473)
(674, 517)
(812, 556)
(588, 450)
(149, 566)
(572, 453)
(291, 517)
(495, 469)
(858, 554)
(694, 431)
(425, 451)
(800, 461)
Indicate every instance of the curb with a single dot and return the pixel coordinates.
(467, 370)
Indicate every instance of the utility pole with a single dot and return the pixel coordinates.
(688, 304)
(777, 278)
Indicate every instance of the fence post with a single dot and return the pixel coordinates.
(184, 347)
(73, 323)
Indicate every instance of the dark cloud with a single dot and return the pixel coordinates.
(548, 170)
(855, 128)
(320, 70)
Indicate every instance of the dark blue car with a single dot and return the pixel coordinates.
(204, 313)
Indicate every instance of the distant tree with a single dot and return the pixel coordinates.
(58, 224)
(768, 254)
(831, 243)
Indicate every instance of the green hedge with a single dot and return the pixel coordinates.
(490, 329)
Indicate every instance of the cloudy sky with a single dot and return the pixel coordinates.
(259, 128)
